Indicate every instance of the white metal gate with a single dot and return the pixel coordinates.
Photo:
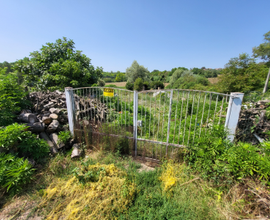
(169, 118)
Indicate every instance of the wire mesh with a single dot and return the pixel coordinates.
(170, 118)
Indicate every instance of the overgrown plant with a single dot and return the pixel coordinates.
(14, 173)
(224, 162)
(64, 136)
(16, 139)
(12, 98)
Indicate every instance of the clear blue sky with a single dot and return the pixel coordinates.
(159, 34)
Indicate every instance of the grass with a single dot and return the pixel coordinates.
(123, 190)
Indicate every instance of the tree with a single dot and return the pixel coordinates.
(58, 65)
(136, 71)
(177, 74)
(241, 74)
(120, 77)
(138, 84)
(263, 51)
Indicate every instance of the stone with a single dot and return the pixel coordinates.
(76, 152)
(53, 126)
(55, 139)
(46, 120)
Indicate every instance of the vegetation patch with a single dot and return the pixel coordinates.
(96, 191)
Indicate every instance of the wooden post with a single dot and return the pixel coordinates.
(233, 113)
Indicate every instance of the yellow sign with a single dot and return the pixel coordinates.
(108, 92)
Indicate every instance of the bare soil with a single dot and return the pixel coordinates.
(120, 84)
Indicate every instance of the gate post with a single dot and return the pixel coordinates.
(233, 113)
(70, 108)
(135, 119)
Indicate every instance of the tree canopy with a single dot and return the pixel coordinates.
(58, 65)
(263, 50)
(242, 74)
(136, 71)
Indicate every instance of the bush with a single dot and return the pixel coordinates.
(138, 84)
(156, 84)
(219, 160)
(146, 85)
(15, 138)
(101, 82)
(129, 86)
(95, 85)
(14, 172)
(64, 136)
(12, 98)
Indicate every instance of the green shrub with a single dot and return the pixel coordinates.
(14, 173)
(15, 138)
(156, 84)
(219, 160)
(12, 98)
(138, 84)
(129, 86)
(101, 82)
(146, 85)
(64, 136)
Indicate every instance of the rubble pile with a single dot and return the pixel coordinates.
(47, 118)
(253, 122)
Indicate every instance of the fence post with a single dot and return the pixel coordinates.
(169, 121)
(70, 108)
(135, 119)
(233, 113)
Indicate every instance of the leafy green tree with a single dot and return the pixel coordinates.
(177, 74)
(120, 77)
(7, 65)
(58, 65)
(198, 71)
(136, 71)
(263, 51)
(191, 81)
(242, 74)
(138, 84)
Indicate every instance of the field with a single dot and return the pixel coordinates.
(213, 80)
(118, 84)
(123, 84)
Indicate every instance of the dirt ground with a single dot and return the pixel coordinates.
(21, 208)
